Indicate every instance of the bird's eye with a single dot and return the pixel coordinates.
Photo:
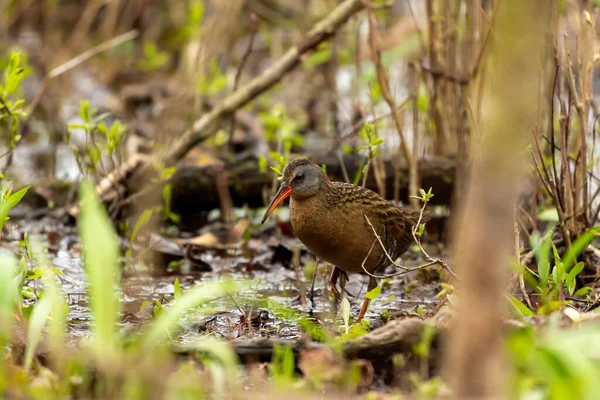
(299, 176)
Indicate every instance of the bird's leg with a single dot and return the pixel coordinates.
(365, 304)
(343, 280)
(343, 285)
(312, 285)
(333, 278)
(335, 275)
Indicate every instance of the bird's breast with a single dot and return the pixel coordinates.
(334, 235)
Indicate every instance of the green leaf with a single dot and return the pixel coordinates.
(102, 129)
(357, 330)
(14, 60)
(424, 346)
(578, 246)
(102, 116)
(423, 98)
(167, 173)
(144, 305)
(38, 320)
(373, 293)
(84, 111)
(33, 274)
(518, 307)
(559, 270)
(167, 200)
(429, 195)
(548, 214)
(10, 202)
(345, 311)
(282, 365)
(570, 279)
(365, 323)
(583, 291)
(8, 296)
(140, 223)
(174, 217)
(176, 289)
(542, 248)
(158, 331)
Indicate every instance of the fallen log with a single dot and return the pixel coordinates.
(397, 337)
(194, 188)
(198, 189)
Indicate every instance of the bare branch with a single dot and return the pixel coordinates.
(431, 260)
(208, 124)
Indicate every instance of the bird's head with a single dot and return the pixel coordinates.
(301, 179)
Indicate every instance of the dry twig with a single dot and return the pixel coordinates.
(405, 270)
(383, 80)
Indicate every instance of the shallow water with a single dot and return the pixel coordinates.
(226, 317)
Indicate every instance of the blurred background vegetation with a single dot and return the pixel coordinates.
(140, 141)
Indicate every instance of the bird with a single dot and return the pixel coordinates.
(337, 222)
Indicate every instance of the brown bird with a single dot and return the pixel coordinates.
(330, 218)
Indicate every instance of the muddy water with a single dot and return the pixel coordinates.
(226, 317)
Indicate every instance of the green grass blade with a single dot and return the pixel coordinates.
(167, 321)
(7, 307)
(57, 325)
(518, 307)
(37, 322)
(101, 259)
(578, 246)
(10, 203)
(141, 222)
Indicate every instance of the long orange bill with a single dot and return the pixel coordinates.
(283, 193)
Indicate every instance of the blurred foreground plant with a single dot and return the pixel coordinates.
(107, 364)
(8, 200)
(555, 277)
(556, 364)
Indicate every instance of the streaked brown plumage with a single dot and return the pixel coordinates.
(329, 218)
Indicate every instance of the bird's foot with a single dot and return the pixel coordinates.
(337, 293)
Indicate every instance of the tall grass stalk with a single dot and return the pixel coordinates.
(101, 258)
(7, 302)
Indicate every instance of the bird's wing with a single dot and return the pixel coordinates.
(397, 221)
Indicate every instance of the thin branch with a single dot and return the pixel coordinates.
(81, 58)
(86, 55)
(208, 124)
(385, 276)
(432, 261)
(438, 261)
